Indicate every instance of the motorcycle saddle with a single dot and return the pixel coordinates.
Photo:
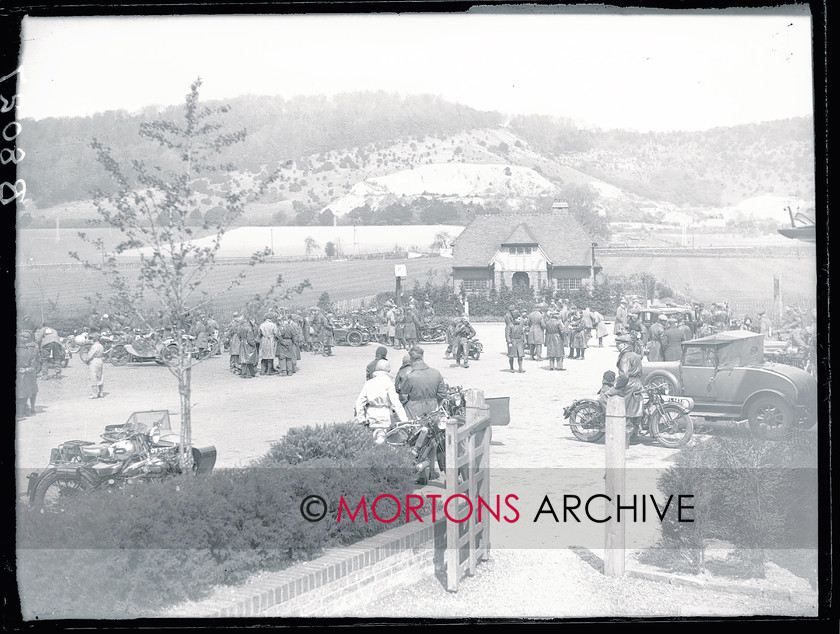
(94, 451)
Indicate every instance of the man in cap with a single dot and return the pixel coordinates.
(424, 387)
(765, 326)
(376, 400)
(655, 333)
(26, 376)
(391, 323)
(672, 340)
(620, 325)
(464, 332)
(381, 353)
(628, 385)
(268, 345)
(536, 327)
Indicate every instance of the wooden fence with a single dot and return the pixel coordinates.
(467, 477)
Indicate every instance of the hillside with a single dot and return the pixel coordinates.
(376, 158)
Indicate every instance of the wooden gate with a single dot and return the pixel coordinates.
(467, 476)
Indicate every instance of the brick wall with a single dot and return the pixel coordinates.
(337, 581)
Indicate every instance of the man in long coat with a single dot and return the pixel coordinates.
(232, 338)
(391, 323)
(655, 337)
(536, 327)
(628, 385)
(285, 348)
(620, 325)
(268, 345)
(671, 339)
(248, 357)
(423, 388)
(515, 339)
(555, 345)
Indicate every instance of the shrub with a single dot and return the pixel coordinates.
(133, 551)
(753, 494)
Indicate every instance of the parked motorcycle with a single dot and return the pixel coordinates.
(433, 333)
(426, 439)
(144, 449)
(667, 421)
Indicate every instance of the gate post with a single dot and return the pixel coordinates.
(616, 421)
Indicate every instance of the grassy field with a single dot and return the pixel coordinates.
(707, 278)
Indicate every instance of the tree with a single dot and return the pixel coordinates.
(324, 302)
(582, 201)
(329, 250)
(442, 240)
(311, 245)
(154, 217)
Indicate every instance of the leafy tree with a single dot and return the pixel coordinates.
(326, 218)
(154, 218)
(311, 245)
(324, 302)
(582, 200)
(329, 250)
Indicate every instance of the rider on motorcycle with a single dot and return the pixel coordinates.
(376, 400)
(628, 385)
(51, 347)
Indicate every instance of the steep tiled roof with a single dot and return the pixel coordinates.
(520, 235)
(558, 233)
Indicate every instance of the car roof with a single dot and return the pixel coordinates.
(727, 336)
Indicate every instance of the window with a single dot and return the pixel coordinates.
(474, 286)
(699, 357)
(568, 283)
(519, 250)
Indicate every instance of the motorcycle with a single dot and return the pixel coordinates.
(426, 439)
(475, 347)
(432, 333)
(667, 421)
(144, 449)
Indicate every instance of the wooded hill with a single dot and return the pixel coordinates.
(326, 146)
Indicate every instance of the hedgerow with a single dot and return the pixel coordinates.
(130, 552)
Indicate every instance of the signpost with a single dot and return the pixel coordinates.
(399, 273)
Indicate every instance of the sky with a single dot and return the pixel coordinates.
(678, 70)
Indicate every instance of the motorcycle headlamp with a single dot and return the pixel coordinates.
(154, 434)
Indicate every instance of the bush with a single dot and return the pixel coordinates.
(136, 550)
(755, 495)
(322, 441)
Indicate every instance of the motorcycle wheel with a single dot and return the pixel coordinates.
(119, 355)
(354, 338)
(169, 354)
(65, 362)
(438, 335)
(672, 428)
(71, 345)
(56, 488)
(587, 421)
(83, 350)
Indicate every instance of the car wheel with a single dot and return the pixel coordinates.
(664, 381)
(769, 413)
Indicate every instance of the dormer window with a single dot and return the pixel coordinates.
(519, 250)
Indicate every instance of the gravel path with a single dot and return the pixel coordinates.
(563, 583)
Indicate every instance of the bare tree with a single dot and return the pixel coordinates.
(152, 213)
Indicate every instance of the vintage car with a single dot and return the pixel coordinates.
(650, 315)
(727, 376)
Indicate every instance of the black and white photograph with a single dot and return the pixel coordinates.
(525, 300)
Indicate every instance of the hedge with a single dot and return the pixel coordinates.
(130, 552)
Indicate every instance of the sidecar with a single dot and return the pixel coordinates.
(204, 454)
(351, 336)
(71, 458)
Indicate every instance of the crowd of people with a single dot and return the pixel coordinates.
(554, 328)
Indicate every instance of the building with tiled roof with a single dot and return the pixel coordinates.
(537, 250)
